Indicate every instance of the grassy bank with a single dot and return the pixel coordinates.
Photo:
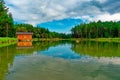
(107, 39)
(4, 40)
(80, 39)
(48, 39)
(97, 39)
(6, 44)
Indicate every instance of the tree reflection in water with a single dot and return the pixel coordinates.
(102, 50)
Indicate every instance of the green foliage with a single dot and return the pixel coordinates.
(97, 30)
(40, 32)
(21, 29)
(6, 21)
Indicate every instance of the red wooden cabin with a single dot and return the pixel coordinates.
(24, 36)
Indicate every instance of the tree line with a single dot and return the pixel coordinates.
(97, 30)
(39, 32)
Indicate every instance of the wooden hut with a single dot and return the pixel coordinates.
(24, 36)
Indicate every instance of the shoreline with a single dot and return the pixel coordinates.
(5, 41)
(80, 39)
(117, 40)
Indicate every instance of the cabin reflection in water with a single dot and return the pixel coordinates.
(24, 44)
(27, 44)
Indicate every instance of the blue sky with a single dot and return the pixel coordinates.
(62, 26)
(61, 15)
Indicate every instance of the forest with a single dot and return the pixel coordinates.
(97, 30)
(39, 32)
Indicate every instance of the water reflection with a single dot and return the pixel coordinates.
(61, 60)
(6, 60)
(97, 49)
(24, 44)
(61, 51)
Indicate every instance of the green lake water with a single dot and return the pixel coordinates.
(61, 60)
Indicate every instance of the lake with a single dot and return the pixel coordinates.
(60, 60)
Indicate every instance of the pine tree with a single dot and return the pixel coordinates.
(6, 21)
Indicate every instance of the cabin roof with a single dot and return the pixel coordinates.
(24, 33)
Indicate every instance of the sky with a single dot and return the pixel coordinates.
(62, 15)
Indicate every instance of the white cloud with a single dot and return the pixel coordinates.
(39, 11)
(108, 17)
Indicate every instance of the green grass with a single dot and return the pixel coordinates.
(97, 39)
(48, 39)
(106, 39)
(81, 39)
(7, 40)
(7, 44)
